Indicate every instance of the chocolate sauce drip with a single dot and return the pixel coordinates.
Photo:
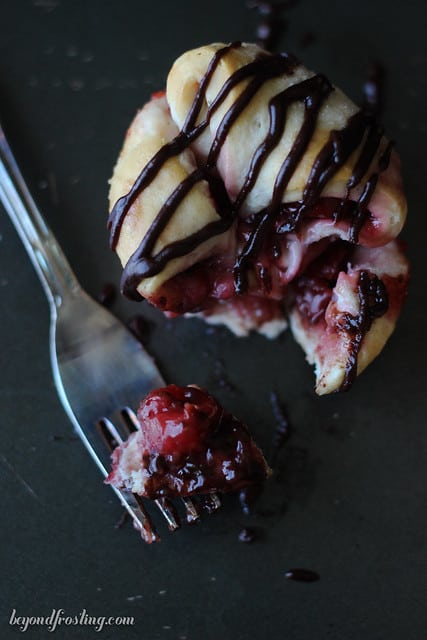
(360, 131)
(373, 303)
(302, 575)
(334, 154)
(361, 212)
(373, 90)
(370, 148)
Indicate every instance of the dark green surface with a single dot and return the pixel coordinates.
(72, 75)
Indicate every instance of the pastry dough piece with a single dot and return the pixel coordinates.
(151, 129)
(235, 184)
(329, 336)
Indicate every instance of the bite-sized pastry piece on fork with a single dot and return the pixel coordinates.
(187, 445)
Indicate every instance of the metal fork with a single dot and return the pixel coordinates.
(100, 369)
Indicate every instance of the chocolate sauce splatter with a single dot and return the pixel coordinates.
(302, 575)
(373, 90)
(272, 25)
(247, 535)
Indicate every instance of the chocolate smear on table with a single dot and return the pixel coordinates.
(283, 428)
(302, 575)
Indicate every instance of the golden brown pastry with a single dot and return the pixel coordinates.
(235, 192)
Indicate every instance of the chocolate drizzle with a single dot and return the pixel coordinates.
(373, 303)
(312, 92)
(360, 132)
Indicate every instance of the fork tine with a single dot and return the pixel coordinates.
(191, 511)
(169, 512)
(210, 503)
(165, 506)
(129, 419)
(148, 530)
(109, 433)
(141, 520)
(108, 429)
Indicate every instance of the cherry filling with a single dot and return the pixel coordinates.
(260, 270)
(313, 290)
(187, 444)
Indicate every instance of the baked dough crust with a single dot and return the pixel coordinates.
(165, 118)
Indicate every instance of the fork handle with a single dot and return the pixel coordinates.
(42, 247)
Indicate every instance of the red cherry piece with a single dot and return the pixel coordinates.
(177, 419)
